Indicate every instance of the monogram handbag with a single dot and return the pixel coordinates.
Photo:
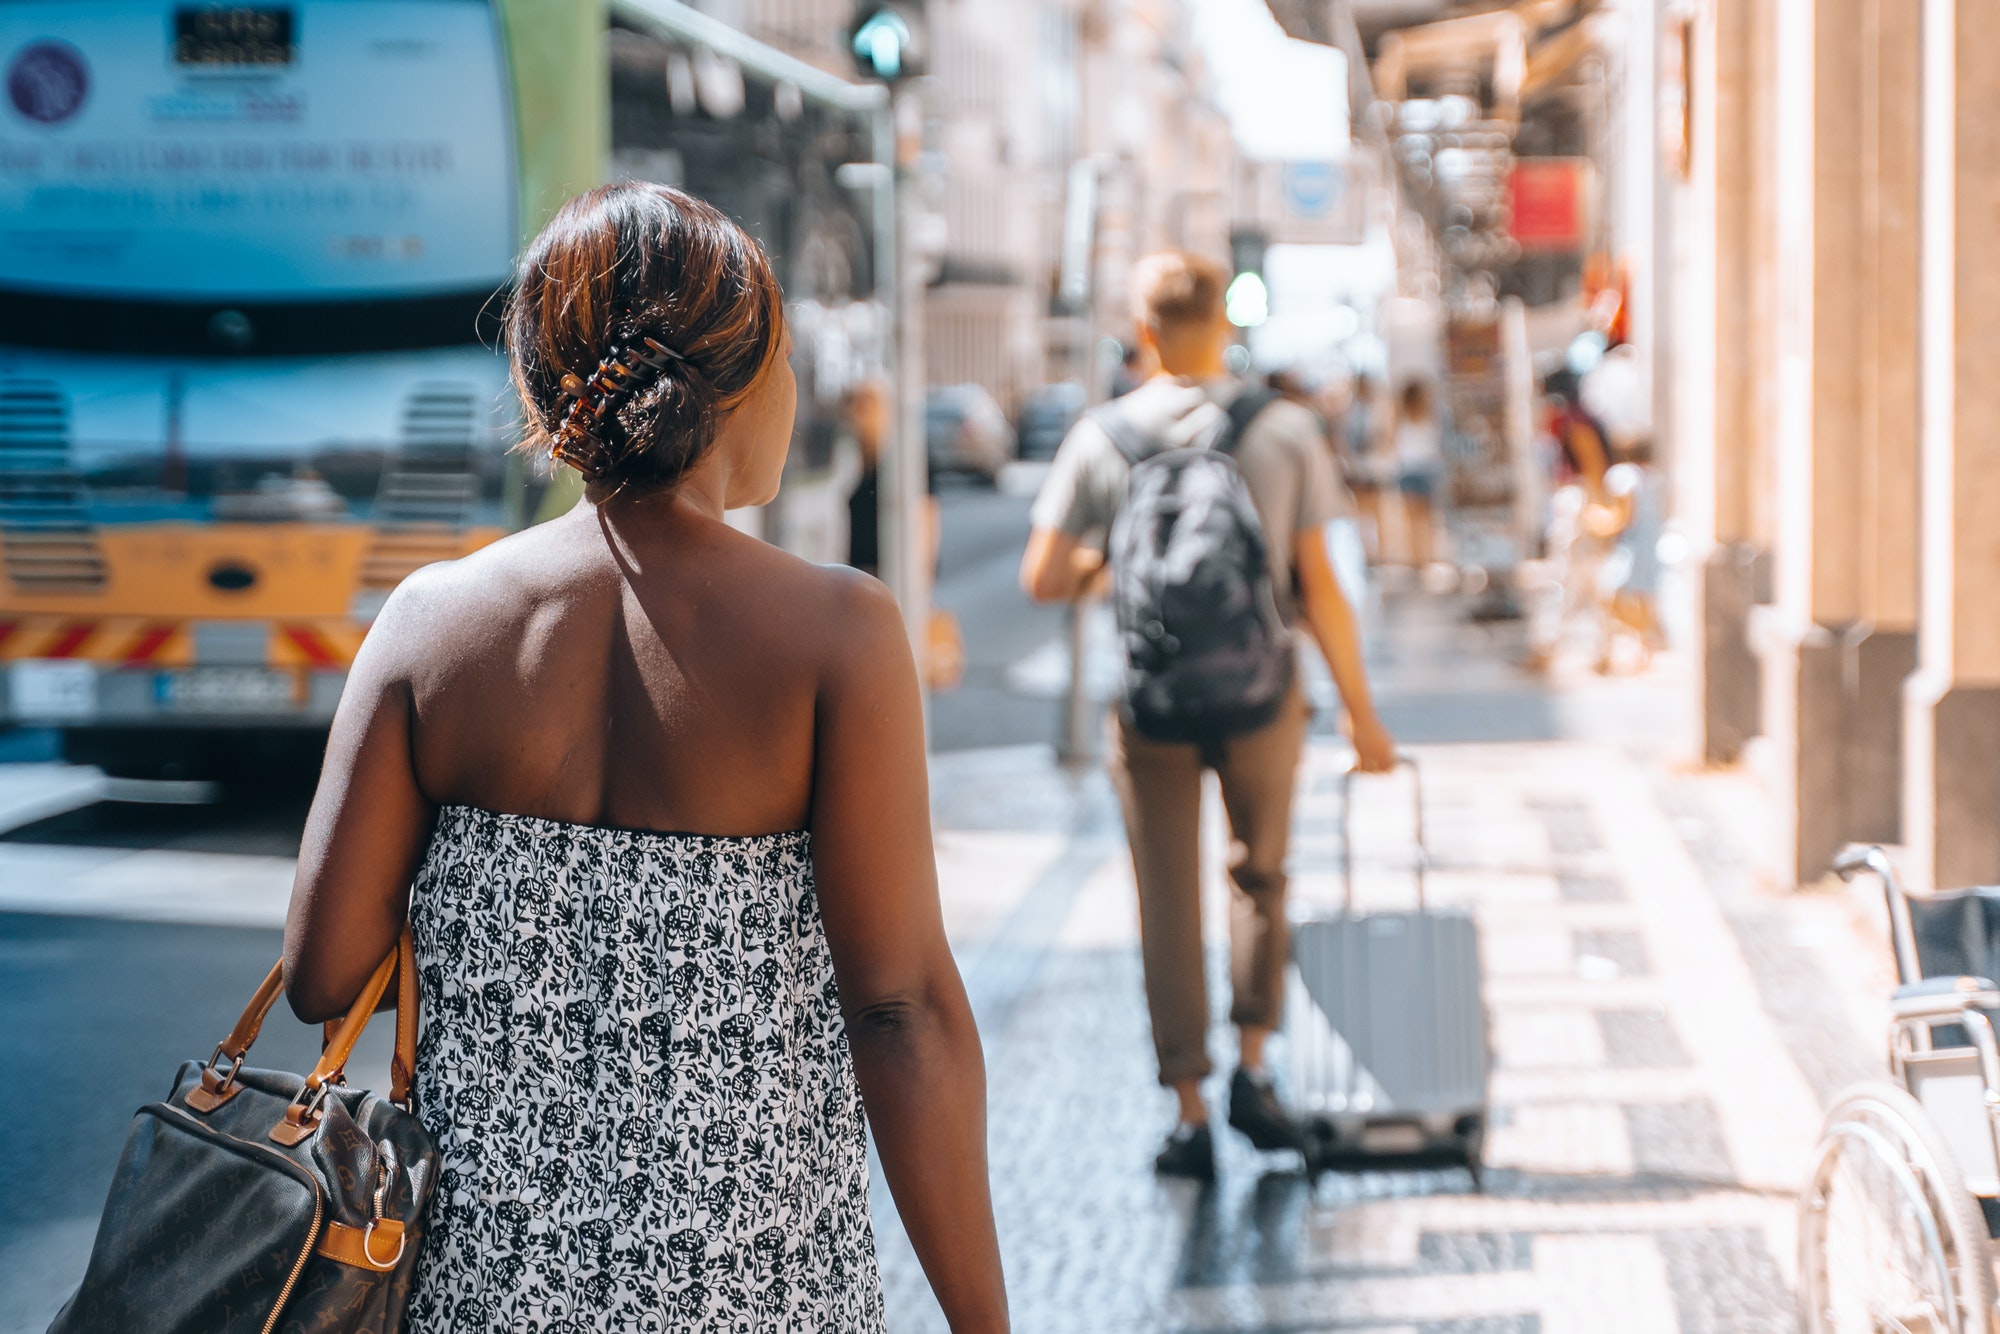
(254, 1202)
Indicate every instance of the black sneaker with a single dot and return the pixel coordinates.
(1254, 1110)
(1189, 1152)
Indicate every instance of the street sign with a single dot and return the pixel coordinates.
(1548, 203)
(1311, 190)
(1312, 200)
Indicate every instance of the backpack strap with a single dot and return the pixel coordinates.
(1243, 410)
(1124, 433)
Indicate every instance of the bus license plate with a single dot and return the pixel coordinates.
(226, 690)
(53, 690)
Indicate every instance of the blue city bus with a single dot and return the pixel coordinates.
(251, 260)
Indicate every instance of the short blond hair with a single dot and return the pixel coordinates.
(1177, 290)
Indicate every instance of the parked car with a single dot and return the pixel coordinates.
(1046, 417)
(966, 433)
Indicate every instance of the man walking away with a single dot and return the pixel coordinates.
(1225, 492)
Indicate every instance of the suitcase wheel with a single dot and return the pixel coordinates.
(1472, 1134)
(1328, 1150)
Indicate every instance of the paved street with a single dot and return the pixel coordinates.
(1666, 1029)
(1664, 1037)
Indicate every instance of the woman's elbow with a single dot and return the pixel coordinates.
(903, 1021)
(309, 1009)
(311, 999)
(892, 1020)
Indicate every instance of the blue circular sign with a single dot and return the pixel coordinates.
(1312, 188)
(48, 81)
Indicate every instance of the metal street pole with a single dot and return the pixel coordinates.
(903, 565)
(1080, 712)
(1079, 741)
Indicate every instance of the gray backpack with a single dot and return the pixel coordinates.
(1206, 655)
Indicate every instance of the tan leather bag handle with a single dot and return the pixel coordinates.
(237, 1044)
(218, 1086)
(403, 1063)
(333, 1057)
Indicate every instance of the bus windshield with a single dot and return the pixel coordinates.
(251, 177)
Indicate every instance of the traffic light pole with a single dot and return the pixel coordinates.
(1082, 725)
(906, 559)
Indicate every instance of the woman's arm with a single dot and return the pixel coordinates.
(367, 830)
(916, 1051)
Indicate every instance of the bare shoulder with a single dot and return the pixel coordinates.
(844, 613)
(743, 591)
(867, 672)
(865, 615)
(821, 617)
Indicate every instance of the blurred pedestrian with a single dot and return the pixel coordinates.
(1370, 463)
(631, 1047)
(870, 413)
(1290, 384)
(1346, 547)
(1580, 529)
(1419, 441)
(1584, 452)
(870, 420)
(1280, 457)
(1631, 578)
(1134, 368)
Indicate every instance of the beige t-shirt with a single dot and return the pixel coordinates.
(1283, 456)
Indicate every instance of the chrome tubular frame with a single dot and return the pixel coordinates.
(1915, 1018)
(1901, 933)
(1912, 1037)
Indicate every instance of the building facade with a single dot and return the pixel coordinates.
(1842, 419)
(1060, 140)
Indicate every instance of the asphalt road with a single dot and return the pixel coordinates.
(1007, 697)
(96, 1016)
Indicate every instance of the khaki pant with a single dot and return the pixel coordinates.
(1159, 784)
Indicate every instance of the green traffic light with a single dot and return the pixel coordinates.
(881, 41)
(1247, 303)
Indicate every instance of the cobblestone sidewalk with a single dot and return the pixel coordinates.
(1665, 1035)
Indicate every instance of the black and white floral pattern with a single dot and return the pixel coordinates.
(632, 1057)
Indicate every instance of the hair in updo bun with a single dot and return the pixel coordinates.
(641, 317)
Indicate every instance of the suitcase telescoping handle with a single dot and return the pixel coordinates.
(1403, 759)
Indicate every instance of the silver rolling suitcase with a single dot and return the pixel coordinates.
(1390, 1047)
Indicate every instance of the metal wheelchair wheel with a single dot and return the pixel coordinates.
(1890, 1239)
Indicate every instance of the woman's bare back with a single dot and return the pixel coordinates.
(654, 674)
